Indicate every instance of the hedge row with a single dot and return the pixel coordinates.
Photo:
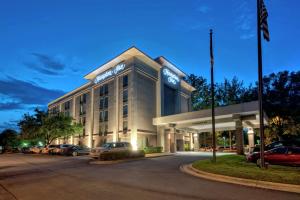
(122, 155)
(153, 150)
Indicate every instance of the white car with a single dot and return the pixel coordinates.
(110, 147)
(35, 149)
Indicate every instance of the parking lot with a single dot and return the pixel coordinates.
(31, 177)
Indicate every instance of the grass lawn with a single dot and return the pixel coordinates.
(237, 166)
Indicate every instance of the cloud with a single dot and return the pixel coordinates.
(203, 9)
(10, 106)
(49, 62)
(45, 64)
(27, 93)
(40, 69)
(245, 20)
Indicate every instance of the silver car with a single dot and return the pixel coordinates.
(110, 147)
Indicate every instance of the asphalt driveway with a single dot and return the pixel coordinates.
(31, 177)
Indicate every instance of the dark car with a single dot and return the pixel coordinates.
(280, 156)
(76, 151)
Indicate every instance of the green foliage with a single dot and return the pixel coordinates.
(9, 139)
(46, 127)
(281, 100)
(236, 165)
(148, 150)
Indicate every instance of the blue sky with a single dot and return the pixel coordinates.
(46, 47)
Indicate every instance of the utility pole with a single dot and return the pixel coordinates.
(260, 85)
(212, 97)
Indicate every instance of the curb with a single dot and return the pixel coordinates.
(153, 155)
(189, 169)
(111, 162)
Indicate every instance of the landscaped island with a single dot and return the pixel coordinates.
(237, 166)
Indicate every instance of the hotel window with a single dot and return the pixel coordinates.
(67, 105)
(125, 126)
(82, 121)
(101, 103)
(125, 95)
(125, 111)
(103, 129)
(125, 81)
(83, 99)
(105, 102)
(105, 116)
(104, 90)
(82, 109)
(101, 117)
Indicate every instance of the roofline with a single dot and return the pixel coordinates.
(175, 68)
(67, 94)
(109, 61)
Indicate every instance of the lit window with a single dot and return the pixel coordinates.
(125, 125)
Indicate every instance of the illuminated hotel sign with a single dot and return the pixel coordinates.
(170, 76)
(109, 73)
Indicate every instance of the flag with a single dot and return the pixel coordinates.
(263, 21)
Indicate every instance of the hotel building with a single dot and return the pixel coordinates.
(146, 102)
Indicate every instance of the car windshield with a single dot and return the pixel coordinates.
(107, 145)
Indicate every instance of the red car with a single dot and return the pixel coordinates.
(280, 156)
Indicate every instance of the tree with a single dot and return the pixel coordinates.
(47, 127)
(200, 97)
(282, 103)
(9, 139)
(281, 99)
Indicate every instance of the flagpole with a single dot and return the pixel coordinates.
(260, 87)
(212, 97)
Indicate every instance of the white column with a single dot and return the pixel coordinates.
(196, 141)
(191, 141)
(251, 137)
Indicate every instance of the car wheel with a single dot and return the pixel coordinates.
(75, 153)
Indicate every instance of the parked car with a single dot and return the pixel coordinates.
(25, 150)
(76, 150)
(47, 149)
(59, 149)
(281, 155)
(111, 147)
(35, 149)
(1, 149)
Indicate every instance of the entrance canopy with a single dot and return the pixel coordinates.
(226, 118)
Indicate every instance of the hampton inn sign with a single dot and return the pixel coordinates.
(146, 102)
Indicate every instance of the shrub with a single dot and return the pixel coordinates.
(153, 150)
(118, 155)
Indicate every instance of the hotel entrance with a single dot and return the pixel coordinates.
(192, 130)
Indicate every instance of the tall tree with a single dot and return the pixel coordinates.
(9, 139)
(47, 127)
